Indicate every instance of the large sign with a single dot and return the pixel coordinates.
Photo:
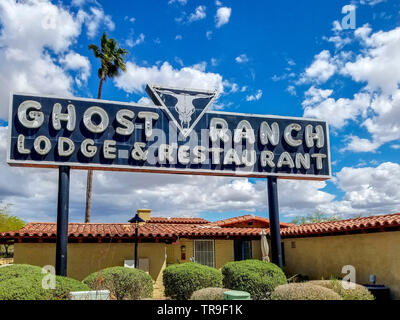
(176, 135)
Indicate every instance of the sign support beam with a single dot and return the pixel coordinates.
(62, 221)
(273, 206)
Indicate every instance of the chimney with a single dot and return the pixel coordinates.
(145, 214)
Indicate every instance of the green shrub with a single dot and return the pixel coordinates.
(303, 291)
(358, 293)
(21, 286)
(181, 280)
(209, 294)
(256, 277)
(24, 288)
(123, 283)
(65, 285)
(19, 270)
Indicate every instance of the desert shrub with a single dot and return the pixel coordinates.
(358, 293)
(209, 294)
(24, 288)
(303, 291)
(259, 278)
(123, 283)
(19, 270)
(29, 287)
(181, 280)
(65, 285)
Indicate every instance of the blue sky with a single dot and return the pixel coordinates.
(291, 58)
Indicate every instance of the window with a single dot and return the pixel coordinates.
(242, 250)
(247, 252)
(204, 252)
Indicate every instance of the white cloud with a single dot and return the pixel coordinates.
(178, 37)
(321, 69)
(338, 39)
(371, 2)
(34, 35)
(222, 17)
(360, 145)
(209, 35)
(78, 3)
(255, 97)
(130, 42)
(337, 112)
(181, 2)
(74, 61)
(379, 64)
(377, 104)
(130, 19)
(94, 20)
(292, 90)
(371, 189)
(136, 77)
(242, 58)
(199, 14)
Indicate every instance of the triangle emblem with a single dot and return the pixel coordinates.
(185, 107)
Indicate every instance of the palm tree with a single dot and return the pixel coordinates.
(112, 61)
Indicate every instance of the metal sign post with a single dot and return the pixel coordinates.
(62, 221)
(274, 227)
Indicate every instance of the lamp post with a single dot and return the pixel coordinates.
(136, 220)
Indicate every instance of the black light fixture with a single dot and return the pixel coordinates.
(136, 220)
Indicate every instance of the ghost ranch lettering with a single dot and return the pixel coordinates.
(238, 142)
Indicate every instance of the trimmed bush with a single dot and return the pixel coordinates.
(24, 288)
(209, 294)
(303, 291)
(259, 278)
(21, 286)
(19, 270)
(65, 285)
(123, 283)
(358, 293)
(181, 280)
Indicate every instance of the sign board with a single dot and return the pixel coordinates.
(178, 134)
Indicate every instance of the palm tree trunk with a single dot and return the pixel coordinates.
(90, 174)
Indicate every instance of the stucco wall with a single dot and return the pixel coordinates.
(223, 251)
(256, 249)
(375, 253)
(85, 258)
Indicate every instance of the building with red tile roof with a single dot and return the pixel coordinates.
(369, 244)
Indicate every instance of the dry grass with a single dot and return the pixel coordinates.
(358, 293)
(303, 291)
(209, 294)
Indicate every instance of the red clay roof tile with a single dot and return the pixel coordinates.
(246, 219)
(328, 227)
(159, 227)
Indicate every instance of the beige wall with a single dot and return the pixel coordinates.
(223, 251)
(256, 249)
(375, 253)
(85, 258)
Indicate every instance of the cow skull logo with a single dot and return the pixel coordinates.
(181, 104)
